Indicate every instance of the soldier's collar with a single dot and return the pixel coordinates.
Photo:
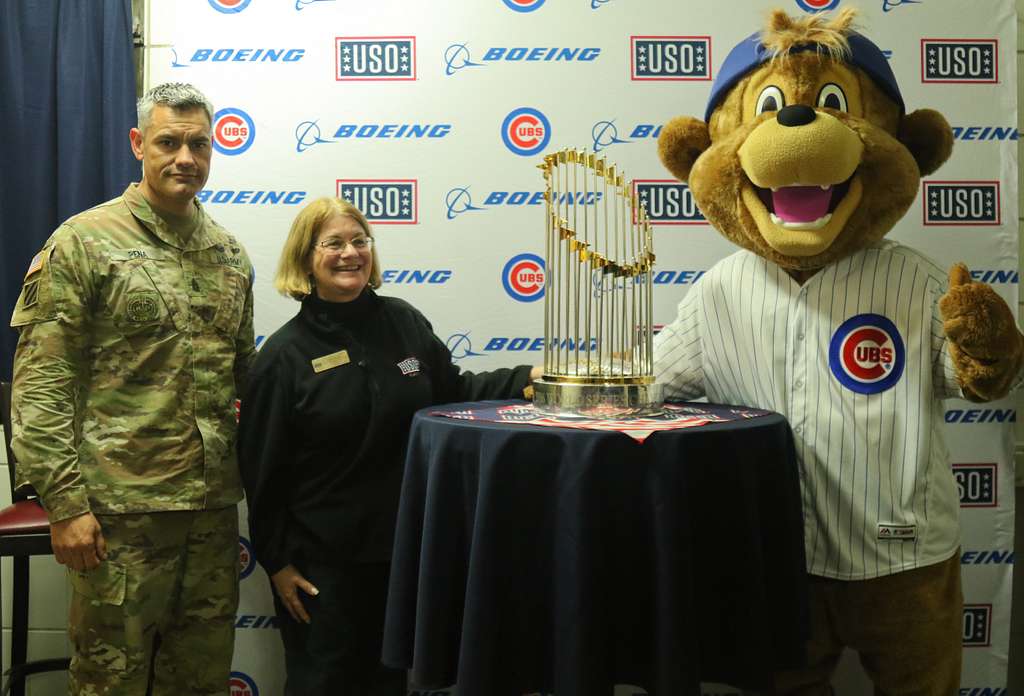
(163, 228)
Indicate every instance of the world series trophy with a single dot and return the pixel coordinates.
(598, 350)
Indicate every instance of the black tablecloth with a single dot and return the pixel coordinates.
(535, 558)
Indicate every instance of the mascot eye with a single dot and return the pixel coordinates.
(831, 96)
(770, 99)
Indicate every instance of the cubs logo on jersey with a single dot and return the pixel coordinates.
(867, 354)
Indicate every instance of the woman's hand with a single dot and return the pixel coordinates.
(287, 582)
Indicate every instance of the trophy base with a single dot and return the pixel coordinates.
(601, 400)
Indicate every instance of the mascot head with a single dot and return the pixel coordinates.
(806, 153)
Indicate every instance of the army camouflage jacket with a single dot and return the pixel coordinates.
(133, 348)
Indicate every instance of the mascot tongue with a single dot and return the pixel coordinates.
(801, 203)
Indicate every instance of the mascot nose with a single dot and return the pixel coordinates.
(795, 115)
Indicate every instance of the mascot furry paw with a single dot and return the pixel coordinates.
(806, 158)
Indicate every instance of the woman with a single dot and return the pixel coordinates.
(322, 439)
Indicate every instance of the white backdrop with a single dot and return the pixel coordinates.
(433, 115)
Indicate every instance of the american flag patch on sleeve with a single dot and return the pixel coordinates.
(36, 264)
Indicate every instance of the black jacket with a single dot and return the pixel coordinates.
(321, 453)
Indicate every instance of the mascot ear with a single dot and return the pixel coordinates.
(681, 142)
(927, 135)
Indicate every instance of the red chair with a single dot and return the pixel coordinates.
(24, 532)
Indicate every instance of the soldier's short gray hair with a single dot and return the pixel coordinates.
(180, 96)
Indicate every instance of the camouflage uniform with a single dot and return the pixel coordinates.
(133, 348)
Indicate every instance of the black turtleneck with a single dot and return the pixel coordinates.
(321, 453)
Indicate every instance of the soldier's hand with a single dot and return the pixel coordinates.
(287, 582)
(78, 542)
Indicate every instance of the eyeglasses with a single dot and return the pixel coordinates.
(336, 244)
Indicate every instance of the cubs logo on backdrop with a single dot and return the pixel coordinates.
(960, 60)
(233, 131)
(246, 558)
(670, 57)
(229, 6)
(523, 5)
(241, 684)
(817, 5)
(866, 354)
(523, 277)
(976, 484)
(977, 625)
(961, 203)
(375, 58)
(383, 201)
(668, 202)
(526, 131)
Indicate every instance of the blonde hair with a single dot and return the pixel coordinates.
(293, 277)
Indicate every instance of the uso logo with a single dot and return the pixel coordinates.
(670, 57)
(523, 5)
(961, 203)
(523, 277)
(241, 684)
(383, 201)
(866, 354)
(526, 131)
(375, 58)
(229, 6)
(668, 202)
(960, 60)
(817, 5)
(246, 558)
(233, 131)
(977, 625)
(976, 484)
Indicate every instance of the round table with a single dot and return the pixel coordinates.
(533, 558)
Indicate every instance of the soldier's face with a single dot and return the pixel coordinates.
(175, 154)
(341, 275)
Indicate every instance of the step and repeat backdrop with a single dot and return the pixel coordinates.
(432, 116)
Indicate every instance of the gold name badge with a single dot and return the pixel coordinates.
(326, 362)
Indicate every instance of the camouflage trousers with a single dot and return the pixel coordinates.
(172, 574)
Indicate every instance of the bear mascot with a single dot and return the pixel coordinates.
(806, 158)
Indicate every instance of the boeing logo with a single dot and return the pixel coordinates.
(981, 415)
(457, 56)
(458, 201)
(889, 5)
(240, 55)
(1000, 557)
(250, 197)
(416, 277)
(461, 346)
(302, 4)
(986, 133)
(255, 621)
(605, 134)
(308, 133)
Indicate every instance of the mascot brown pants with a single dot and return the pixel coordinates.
(906, 628)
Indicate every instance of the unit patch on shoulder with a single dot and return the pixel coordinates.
(30, 294)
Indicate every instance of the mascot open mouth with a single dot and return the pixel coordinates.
(802, 207)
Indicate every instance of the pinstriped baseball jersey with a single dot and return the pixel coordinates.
(857, 361)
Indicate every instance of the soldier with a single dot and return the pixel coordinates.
(136, 333)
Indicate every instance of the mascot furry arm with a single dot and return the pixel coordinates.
(806, 155)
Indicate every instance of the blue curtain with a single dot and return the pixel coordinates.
(67, 102)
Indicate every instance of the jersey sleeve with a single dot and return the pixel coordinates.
(678, 352)
(53, 316)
